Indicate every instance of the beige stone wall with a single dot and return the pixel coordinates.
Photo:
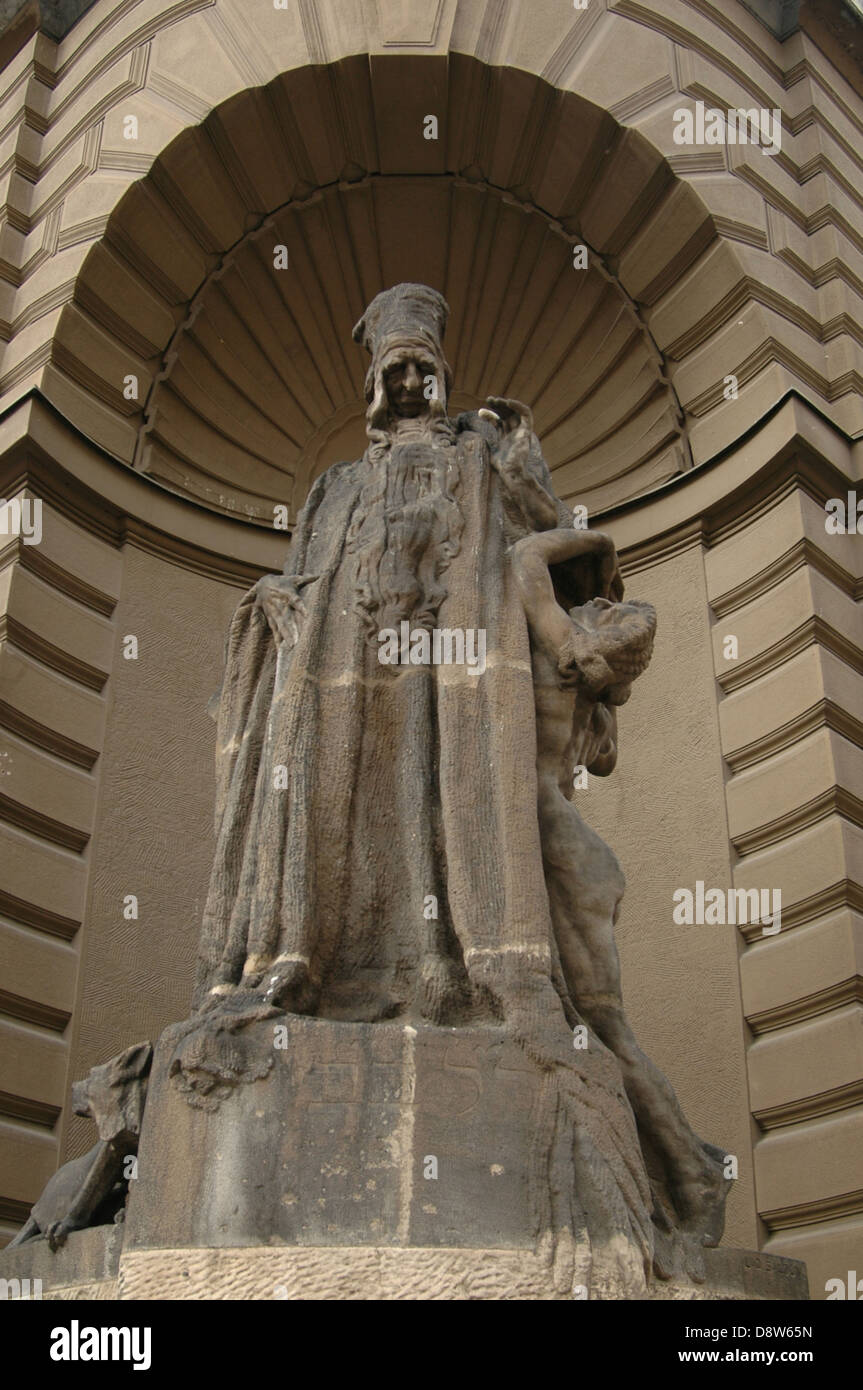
(663, 812)
(790, 728)
(122, 257)
(153, 831)
(56, 656)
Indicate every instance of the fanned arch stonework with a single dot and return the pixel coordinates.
(249, 406)
(729, 256)
(240, 399)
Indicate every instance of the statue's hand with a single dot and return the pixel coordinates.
(517, 459)
(507, 414)
(514, 423)
(278, 597)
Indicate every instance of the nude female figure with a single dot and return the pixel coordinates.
(584, 664)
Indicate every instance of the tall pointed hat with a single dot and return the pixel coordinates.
(404, 317)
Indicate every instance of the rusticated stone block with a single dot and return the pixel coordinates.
(362, 1273)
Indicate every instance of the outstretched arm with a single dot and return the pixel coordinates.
(550, 626)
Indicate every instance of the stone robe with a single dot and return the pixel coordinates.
(401, 782)
(406, 782)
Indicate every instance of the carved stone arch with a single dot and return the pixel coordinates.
(248, 385)
(736, 267)
(738, 264)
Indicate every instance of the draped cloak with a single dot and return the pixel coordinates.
(350, 792)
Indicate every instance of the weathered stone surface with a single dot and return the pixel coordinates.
(91, 1190)
(330, 1148)
(311, 1182)
(85, 1267)
(408, 916)
(674, 984)
(393, 1273)
(397, 835)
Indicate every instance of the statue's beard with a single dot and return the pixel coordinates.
(404, 533)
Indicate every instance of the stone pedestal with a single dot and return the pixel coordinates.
(360, 1135)
(392, 1273)
(85, 1268)
(372, 1162)
(92, 1266)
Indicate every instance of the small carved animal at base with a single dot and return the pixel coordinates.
(91, 1190)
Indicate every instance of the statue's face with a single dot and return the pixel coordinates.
(406, 379)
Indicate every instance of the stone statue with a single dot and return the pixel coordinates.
(397, 841)
(91, 1190)
(584, 665)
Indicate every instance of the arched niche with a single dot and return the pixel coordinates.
(248, 383)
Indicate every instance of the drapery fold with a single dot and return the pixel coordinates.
(377, 834)
(349, 792)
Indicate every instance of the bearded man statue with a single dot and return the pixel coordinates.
(386, 848)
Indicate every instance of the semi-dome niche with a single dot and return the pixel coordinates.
(249, 384)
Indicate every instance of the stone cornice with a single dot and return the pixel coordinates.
(823, 714)
(810, 1213)
(120, 506)
(813, 631)
(33, 1011)
(845, 893)
(810, 1107)
(44, 737)
(50, 655)
(822, 1001)
(801, 553)
(793, 447)
(31, 915)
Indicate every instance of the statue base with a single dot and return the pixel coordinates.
(92, 1266)
(86, 1267)
(369, 1161)
(390, 1273)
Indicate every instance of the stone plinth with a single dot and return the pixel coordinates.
(372, 1162)
(333, 1146)
(87, 1268)
(361, 1273)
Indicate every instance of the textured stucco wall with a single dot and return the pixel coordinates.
(154, 833)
